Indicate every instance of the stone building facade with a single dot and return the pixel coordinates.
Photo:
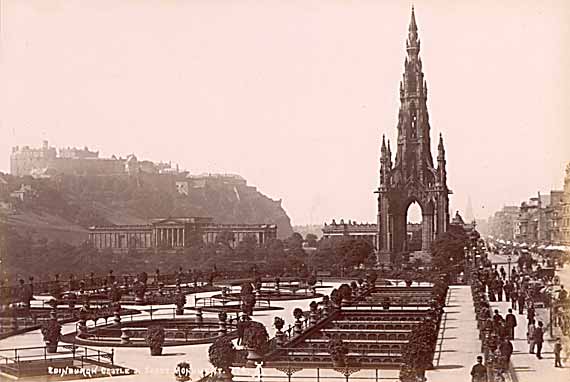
(369, 232)
(563, 211)
(542, 220)
(175, 233)
(45, 161)
(365, 231)
(502, 223)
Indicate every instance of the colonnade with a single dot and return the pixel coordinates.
(170, 237)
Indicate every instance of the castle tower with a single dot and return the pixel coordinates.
(413, 176)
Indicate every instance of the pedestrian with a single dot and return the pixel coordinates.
(492, 289)
(538, 337)
(531, 312)
(530, 336)
(508, 288)
(557, 351)
(562, 295)
(503, 273)
(521, 301)
(500, 290)
(506, 349)
(514, 297)
(479, 371)
(510, 323)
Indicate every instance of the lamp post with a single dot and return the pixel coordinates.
(550, 302)
(452, 271)
(509, 266)
(475, 252)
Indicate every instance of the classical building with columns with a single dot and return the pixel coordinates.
(175, 233)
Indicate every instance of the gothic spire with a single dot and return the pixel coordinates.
(413, 27)
(440, 149)
(389, 152)
(413, 42)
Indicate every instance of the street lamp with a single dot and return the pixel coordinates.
(550, 302)
(509, 263)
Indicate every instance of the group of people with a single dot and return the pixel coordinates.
(522, 288)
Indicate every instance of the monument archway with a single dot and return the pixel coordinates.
(413, 177)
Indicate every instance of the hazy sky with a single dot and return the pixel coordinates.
(295, 95)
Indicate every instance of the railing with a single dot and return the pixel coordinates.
(12, 293)
(211, 302)
(9, 294)
(24, 356)
(18, 321)
(354, 354)
(14, 323)
(152, 315)
(171, 334)
(132, 317)
(392, 307)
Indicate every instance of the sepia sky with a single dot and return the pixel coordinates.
(295, 95)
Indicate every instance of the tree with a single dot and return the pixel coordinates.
(350, 252)
(245, 249)
(448, 249)
(225, 237)
(222, 354)
(255, 337)
(295, 241)
(418, 354)
(311, 240)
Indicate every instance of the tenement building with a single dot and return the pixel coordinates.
(176, 233)
(564, 211)
(543, 221)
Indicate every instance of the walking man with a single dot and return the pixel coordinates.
(506, 350)
(557, 351)
(531, 312)
(530, 336)
(521, 301)
(510, 323)
(508, 290)
(514, 297)
(500, 290)
(479, 371)
(539, 339)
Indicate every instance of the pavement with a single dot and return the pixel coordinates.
(458, 343)
(526, 367)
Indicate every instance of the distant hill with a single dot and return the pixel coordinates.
(64, 206)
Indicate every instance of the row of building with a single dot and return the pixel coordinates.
(47, 161)
(369, 231)
(541, 220)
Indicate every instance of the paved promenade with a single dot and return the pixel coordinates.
(526, 366)
(458, 343)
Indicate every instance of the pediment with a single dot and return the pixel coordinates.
(168, 221)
